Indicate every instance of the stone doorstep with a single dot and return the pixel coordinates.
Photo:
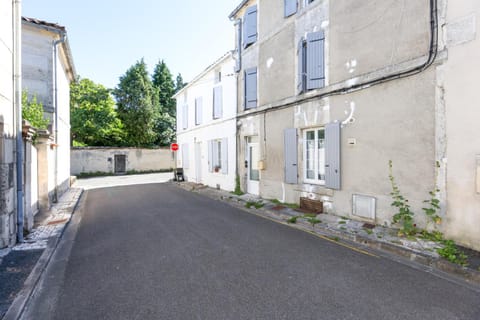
(423, 257)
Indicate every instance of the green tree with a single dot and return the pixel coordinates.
(32, 111)
(163, 81)
(179, 84)
(94, 121)
(137, 105)
(165, 128)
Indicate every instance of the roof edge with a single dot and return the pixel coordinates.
(238, 8)
(206, 70)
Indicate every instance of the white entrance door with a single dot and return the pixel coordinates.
(253, 156)
(198, 162)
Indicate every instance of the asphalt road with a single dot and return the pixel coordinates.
(158, 252)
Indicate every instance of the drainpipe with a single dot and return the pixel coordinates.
(55, 107)
(17, 84)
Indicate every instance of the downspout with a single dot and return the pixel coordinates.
(17, 84)
(55, 108)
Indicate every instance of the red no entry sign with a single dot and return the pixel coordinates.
(174, 146)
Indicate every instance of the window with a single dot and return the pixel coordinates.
(185, 116)
(217, 102)
(321, 154)
(290, 7)
(250, 26)
(314, 155)
(217, 156)
(198, 111)
(250, 88)
(311, 62)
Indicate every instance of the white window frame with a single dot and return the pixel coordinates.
(316, 155)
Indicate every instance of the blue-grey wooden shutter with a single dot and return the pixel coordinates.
(250, 26)
(251, 88)
(210, 156)
(315, 60)
(185, 157)
(217, 102)
(198, 111)
(290, 7)
(224, 163)
(301, 54)
(291, 156)
(332, 155)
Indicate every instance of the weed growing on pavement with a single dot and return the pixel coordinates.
(313, 221)
(404, 215)
(368, 231)
(255, 204)
(292, 220)
(451, 252)
(288, 205)
(342, 222)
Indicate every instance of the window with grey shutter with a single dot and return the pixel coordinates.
(185, 116)
(301, 68)
(251, 88)
(291, 156)
(250, 26)
(198, 111)
(332, 155)
(290, 7)
(217, 102)
(224, 156)
(315, 60)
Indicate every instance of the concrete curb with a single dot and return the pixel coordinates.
(18, 305)
(469, 276)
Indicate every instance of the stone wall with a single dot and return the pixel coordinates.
(101, 159)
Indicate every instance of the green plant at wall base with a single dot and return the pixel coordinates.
(238, 191)
(451, 252)
(284, 204)
(255, 204)
(404, 215)
(433, 202)
(292, 220)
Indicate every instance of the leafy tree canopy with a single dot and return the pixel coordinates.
(94, 121)
(179, 84)
(32, 111)
(162, 80)
(137, 105)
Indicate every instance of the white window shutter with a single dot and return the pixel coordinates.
(210, 156)
(224, 163)
(185, 156)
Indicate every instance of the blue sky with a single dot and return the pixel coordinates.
(107, 37)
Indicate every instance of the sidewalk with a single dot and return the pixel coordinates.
(350, 232)
(22, 265)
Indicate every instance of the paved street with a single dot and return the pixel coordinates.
(154, 251)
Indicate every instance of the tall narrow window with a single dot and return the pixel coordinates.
(314, 151)
(217, 102)
(311, 62)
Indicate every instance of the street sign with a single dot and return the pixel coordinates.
(174, 147)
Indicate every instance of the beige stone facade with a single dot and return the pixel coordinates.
(399, 89)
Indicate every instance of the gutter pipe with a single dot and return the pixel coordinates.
(17, 84)
(55, 106)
